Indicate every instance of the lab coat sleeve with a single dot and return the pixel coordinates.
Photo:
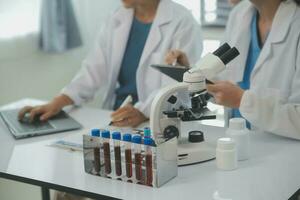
(274, 113)
(188, 39)
(93, 73)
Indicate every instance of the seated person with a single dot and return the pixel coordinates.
(137, 35)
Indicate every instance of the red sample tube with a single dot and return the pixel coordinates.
(149, 169)
(106, 151)
(97, 165)
(97, 160)
(138, 158)
(128, 155)
(117, 150)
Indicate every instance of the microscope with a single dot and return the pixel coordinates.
(168, 111)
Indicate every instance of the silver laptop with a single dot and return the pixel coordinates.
(59, 123)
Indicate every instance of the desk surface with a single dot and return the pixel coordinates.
(272, 172)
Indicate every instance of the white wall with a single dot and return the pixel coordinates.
(193, 6)
(31, 73)
(91, 14)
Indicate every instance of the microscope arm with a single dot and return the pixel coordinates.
(159, 101)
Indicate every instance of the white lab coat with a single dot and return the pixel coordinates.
(273, 102)
(173, 27)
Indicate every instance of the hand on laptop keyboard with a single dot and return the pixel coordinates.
(26, 119)
(44, 112)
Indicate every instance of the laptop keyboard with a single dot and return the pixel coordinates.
(23, 127)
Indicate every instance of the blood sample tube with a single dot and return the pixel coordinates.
(137, 157)
(97, 165)
(128, 156)
(117, 149)
(106, 149)
(148, 151)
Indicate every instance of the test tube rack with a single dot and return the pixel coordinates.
(163, 162)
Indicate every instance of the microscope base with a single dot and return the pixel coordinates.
(194, 153)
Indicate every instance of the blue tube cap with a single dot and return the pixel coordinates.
(137, 139)
(116, 136)
(105, 134)
(95, 132)
(127, 137)
(147, 132)
(148, 141)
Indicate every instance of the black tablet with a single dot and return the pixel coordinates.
(175, 72)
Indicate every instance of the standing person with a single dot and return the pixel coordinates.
(265, 78)
(137, 35)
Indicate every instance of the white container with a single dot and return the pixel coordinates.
(240, 134)
(226, 155)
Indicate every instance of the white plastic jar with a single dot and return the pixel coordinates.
(226, 155)
(240, 134)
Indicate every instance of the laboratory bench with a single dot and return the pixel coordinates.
(271, 173)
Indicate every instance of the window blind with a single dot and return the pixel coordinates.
(215, 12)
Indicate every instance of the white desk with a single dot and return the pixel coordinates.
(273, 172)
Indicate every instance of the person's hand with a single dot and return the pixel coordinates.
(226, 93)
(127, 116)
(45, 112)
(180, 56)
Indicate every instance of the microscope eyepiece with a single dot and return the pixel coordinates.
(229, 55)
(222, 50)
(226, 53)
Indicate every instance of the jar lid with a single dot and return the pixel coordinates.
(237, 124)
(226, 144)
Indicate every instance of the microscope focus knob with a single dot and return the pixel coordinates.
(196, 136)
(170, 132)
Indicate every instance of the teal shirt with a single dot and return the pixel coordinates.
(127, 76)
(253, 54)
